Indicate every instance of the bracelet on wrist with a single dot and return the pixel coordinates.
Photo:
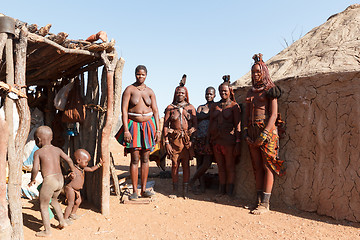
(245, 128)
(99, 165)
(263, 136)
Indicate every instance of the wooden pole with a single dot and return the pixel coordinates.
(117, 94)
(105, 151)
(3, 38)
(5, 227)
(89, 133)
(21, 104)
(24, 120)
(14, 185)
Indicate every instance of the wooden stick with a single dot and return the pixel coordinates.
(5, 230)
(138, 201)
(117, 94)
(89, 130)
(105, 138)
(39, 39)
(24, 116)
(3, 38)
(9, 88)
(14, 185)
(114, 175)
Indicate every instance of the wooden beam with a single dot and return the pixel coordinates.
(24, 120)
(105, 138)
(39, 39)
(3, 38)
(14, 185)
(5, 229)
(8, 88)
(117, 93)
(89, 130)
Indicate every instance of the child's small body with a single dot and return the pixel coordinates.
(47, 158)
(72, 189)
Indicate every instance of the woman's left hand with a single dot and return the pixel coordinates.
(192, 130)
(157, 137)
(258, 142)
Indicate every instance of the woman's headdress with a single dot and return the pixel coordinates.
(182, 85)
(226, 82)
(265, 75)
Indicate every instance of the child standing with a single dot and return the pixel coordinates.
(72, 189)
(48, 159)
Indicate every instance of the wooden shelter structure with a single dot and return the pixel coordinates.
(32, 56)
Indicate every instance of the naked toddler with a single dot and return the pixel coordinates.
(72, 189)
(47, 159)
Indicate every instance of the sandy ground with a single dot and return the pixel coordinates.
(199, 217)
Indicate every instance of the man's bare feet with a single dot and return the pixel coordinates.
(43, 234)
(261, 209)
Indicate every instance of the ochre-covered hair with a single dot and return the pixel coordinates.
(182, 85)
(265, 76)
(226, 82)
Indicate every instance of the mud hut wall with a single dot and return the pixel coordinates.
(321, 146)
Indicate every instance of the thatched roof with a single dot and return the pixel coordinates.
(53, 56)
(329, 48)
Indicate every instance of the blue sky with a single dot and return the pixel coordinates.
(203, 39)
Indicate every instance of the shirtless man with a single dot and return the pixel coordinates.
(179, 124)
(48, 159)
(139, 133)
(72, 189)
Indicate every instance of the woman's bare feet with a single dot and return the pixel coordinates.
(261, 209)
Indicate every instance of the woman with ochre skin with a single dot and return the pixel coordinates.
(261, 134)
(140, 130)
(179, 124)
(204, 157)
(224, 135)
